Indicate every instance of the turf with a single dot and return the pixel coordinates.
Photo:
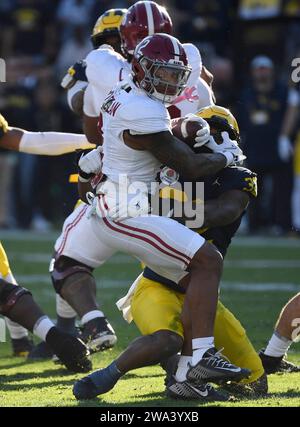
(260, 276)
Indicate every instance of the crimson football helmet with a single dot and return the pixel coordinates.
(160, 67)
(143, 19)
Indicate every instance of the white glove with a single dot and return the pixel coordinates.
(202, 134)
(91, 163)
(229, 148)
(285, 148)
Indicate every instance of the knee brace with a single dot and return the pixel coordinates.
(9, 295)
(63, 268)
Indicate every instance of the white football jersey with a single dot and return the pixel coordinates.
(197, 94)
(104, 69)
(131, 109)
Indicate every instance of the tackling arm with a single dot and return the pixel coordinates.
(90, 128)
(225, 209)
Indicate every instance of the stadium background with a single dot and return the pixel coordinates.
(39, 39)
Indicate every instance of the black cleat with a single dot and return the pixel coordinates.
(254, 390)
(98, 334)
(97, 382)
(41, 351)
(185, 390)
(22, 346)
(72, 352)
(214, 368)
(273, 364)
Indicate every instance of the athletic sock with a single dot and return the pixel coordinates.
(277, 346)
(42, 327)
(91, 315)
(183, 367)
(200, 346)
(16, 331)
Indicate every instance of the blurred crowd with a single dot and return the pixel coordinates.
(248, 45)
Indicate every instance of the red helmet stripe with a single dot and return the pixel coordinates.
(150, 19)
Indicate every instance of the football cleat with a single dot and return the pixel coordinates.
(256, 389)
(98, 334)
(214, 368)
(72, 353)
(98, 382)
(185, 390)
(273, 364)
(22, 346)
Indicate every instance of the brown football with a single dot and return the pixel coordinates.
(185, 129)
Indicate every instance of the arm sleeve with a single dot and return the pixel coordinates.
(52, 143)
(238, 178)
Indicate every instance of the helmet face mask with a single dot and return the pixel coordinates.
(160, 67)
(163, 81)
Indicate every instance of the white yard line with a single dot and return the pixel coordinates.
(112, 283)
(242, 241)
(43, 257)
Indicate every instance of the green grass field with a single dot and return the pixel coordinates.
(260, 276)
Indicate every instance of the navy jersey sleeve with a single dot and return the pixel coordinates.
(238, 178)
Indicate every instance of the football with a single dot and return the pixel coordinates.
(186, 128)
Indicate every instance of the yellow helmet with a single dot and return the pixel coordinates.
(107, 24)
(3, 126)
(220, 120)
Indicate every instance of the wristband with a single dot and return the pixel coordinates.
(82, 179)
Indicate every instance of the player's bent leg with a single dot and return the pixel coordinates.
(80, 248)
(75, 283)
(286, 330)
(207, 363)
(18, 305)
(156, 312)
(143, 351)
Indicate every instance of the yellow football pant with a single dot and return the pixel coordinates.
(155, 307)
(4, 265)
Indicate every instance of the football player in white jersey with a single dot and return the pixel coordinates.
(137, 140)
(102, 69)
